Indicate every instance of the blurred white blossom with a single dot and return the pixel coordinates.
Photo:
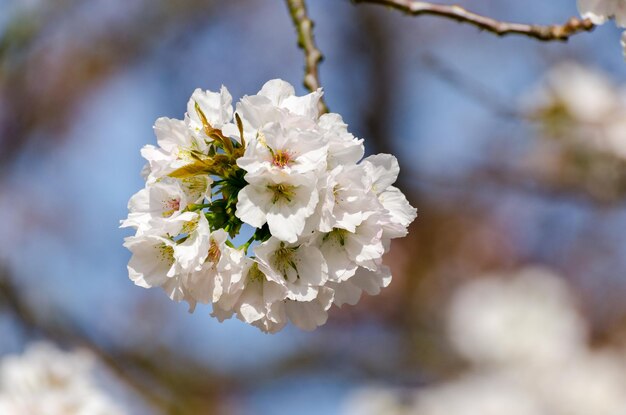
(478, 393)
(581, 105)
(47, 381)
(377, 400)
(528, 354)
(524, 320)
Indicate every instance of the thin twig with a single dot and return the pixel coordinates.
(543, 33)
(306, 42)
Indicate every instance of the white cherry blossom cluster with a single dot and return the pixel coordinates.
(46, 380)
(599, 11)
(321, 216)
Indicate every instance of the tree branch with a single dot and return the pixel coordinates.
(306, 42)
(543, 33)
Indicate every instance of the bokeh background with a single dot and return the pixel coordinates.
(82, 81)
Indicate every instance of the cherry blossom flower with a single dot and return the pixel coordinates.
(599, 11)
(283, 202)
(300, 268)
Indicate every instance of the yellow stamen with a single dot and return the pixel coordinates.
(281, 159)
(214, 252)
(282, 192)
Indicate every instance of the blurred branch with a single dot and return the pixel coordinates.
(306, 42)
(380, 64)
(13, 302)
(539, 32)
(499, 179)
(382, 85)
(44, 101)
(28, 25)
(171, 381)
(471, 88)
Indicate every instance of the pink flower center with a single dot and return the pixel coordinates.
(170, 206)
(281, 159)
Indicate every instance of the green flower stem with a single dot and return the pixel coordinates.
(193, 207)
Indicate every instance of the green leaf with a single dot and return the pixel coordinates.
(240, 128)
(217, 165)
(193, 169)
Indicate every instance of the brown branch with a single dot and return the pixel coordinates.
(543, 33)
(306, 42)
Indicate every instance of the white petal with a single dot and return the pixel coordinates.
(204, 285)
(398, 206)
(345, 293)
(148, 267)
(255, 112)
(252, 306)
(312, 268)
(312, 314)
(171, 134)
(344, 148)
(301, 292)
(340, 266)
(216, 107)
(256, 157)
(598, 11)
(306, 106)
(221, 314)
(383, 169)
(277, 90)
(365, 246)
(252, 205)
(372, 282)
(191, 253)
(284, 224)
(286, 220)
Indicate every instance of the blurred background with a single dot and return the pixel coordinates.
(513, 151)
